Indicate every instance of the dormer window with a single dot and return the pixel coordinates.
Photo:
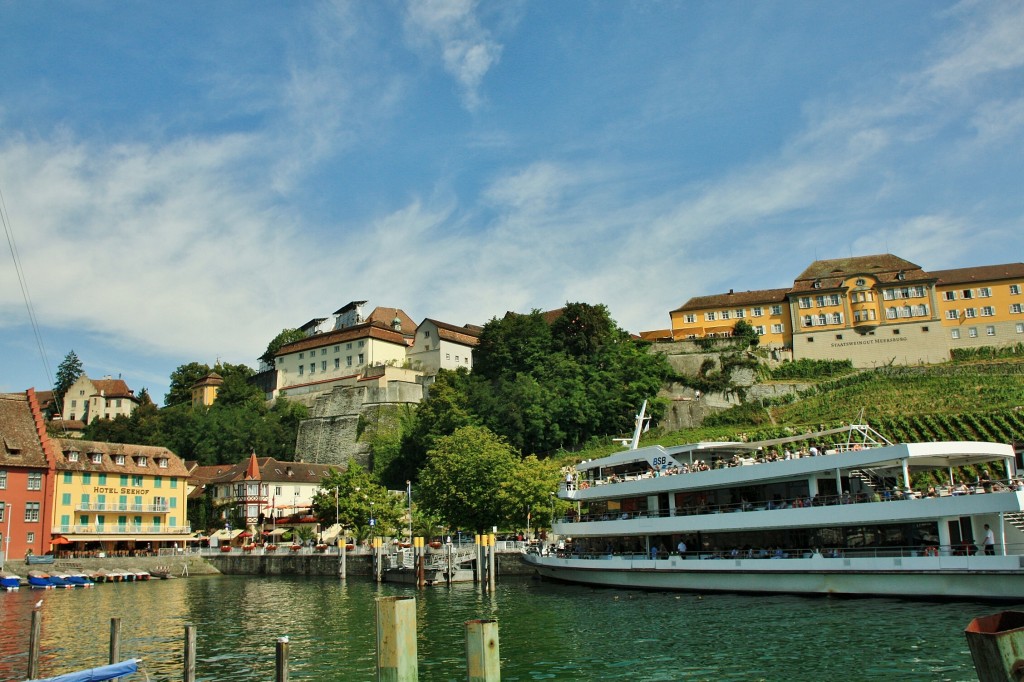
(901, 275)
(96, 458)
(162, 462)
(141, 460)
(817, 284)
(73, 456)
(860, 282)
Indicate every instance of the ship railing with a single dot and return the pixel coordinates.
(965, 550)
(820, 500)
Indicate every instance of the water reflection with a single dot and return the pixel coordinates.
(546, 632)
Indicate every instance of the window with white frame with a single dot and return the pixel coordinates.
(739, 313)
(1020, 328)
(905, 311)
(141, 460)
(822, 319)
(967, 293)
(1015, 289)
(833, 299)
(972, 332)
(725, 314)
(837, 318)
(808, 321)
(952, 314)
(918, 292)
(890, 313)
(921, 309)
(301, 370)
(31, 512)
(3, 479)
(757, 312)
(776, 310)
(776, 329)
(73, 456)
(323, 365)
(888, 294)
(805, 302)
(988, 311)
(35, 480)
(970, 312)
(760, 330)
(1016, 308)
(955, 333)
(96, 457)
(3, 512)
(119, 459)
(990, 330)
(710, 317)
(690, 318)
(948, 295)
(984, 292)
(348, 361)
(819, 301)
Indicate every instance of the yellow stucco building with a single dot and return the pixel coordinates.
(871, 310)
(117, 498)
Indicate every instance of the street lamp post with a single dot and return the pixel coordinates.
(408, 493)
(8, 508)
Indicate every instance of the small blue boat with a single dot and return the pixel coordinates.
(9, 581)
(41, 580)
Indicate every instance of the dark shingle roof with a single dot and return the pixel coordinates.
(19, 440)
(982, 273)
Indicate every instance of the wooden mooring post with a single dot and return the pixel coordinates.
(342, 551)
(396, 640)
(492, 564)
(281, 661)
(189, 663)
(33, 644)
(483, 660)
(115, 642)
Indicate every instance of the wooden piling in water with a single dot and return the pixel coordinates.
(281, 663)
(33, 644)
(396, 639)
(342, 551)
(115, 642)
(483, 660)
(492, 564)
(190, 653)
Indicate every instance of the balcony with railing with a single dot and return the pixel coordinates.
(121, 529)
(117, 507)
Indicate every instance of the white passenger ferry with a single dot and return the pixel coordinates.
(837, 517)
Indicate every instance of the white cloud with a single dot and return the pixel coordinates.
(991, 41)
(468, 51)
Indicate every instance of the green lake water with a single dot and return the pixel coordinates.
(547, 631)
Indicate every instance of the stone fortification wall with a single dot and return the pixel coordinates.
(330, 435)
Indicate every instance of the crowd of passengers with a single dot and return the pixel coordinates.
(983, 485)
(760, 457)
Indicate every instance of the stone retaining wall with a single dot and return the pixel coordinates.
(196, 564)
(508, 563)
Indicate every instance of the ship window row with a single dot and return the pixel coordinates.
(895, 539)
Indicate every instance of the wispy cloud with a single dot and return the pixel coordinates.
(467, 49)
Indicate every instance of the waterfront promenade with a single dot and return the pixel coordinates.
(304, 562)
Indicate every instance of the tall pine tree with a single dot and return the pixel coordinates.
(67, 373)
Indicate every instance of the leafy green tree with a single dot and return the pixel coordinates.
(528, 492)
(182, 380)
(358, 497)
(68, 372)
(463, 476)
(583, 329)
(285, 337)
(236, 390)
(445, 409)
(512, 345)
(744, 330)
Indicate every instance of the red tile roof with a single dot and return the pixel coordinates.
(735, 298)
(20, 444)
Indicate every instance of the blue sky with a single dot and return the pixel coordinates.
(184, 180)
